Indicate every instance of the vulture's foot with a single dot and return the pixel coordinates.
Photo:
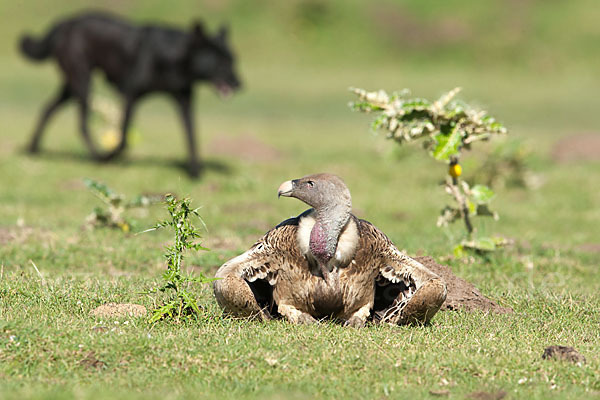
(355, 322)
(296, 316)
(359, 318)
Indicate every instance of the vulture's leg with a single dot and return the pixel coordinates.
(411, 294)
(359, 318)
(294, 315)
(425, 303)
(235, 297)
(428, 294)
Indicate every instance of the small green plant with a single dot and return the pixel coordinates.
(180, 303)
(446, 127)
(115, 206)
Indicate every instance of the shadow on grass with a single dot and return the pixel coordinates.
(208, 165)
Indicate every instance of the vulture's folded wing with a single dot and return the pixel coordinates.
(406, 291)
(245, 283)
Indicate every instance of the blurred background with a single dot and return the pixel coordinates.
(533, 64)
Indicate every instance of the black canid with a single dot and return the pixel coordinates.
(136, 60)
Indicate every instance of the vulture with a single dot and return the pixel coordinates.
(327, 263)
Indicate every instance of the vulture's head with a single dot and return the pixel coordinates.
(320, 191)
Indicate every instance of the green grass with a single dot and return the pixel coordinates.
(542, 85)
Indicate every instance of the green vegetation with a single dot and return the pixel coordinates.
(534, 64)
(446, 128)
(112, 213)
(180, 304)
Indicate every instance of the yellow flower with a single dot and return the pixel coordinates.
(455, 170)
(109, 139)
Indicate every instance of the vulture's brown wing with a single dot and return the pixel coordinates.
(245, 283)
(406, 291)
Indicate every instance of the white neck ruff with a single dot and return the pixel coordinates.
(346, 245)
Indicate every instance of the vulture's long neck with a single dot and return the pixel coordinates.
(325, 233)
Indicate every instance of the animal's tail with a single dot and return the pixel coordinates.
(37, 48)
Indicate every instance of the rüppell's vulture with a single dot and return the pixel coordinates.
(327, 263)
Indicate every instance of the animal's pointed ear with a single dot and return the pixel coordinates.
(198, 30)
(223, 32)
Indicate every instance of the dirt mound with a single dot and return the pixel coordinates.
(116, 310)
(578, 147)
(247, 148)
(462, 295)
(563, 353)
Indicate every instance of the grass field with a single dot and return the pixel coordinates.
(291, 119)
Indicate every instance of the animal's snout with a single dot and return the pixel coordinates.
(234, 82)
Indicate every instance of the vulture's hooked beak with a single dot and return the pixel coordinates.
(285, 189)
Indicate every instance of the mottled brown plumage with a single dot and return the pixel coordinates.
(300, 275)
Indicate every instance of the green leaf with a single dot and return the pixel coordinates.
(484, 211)
(481, 244)
(471, 207)
(190, 302)
(163, 311)
(482, 194)
(198, 246)
(459, 251)
(447, 145)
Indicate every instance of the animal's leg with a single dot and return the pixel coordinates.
(429, 294)
(425, 303)
(184, 100)
(79, 85)
(84, 110)
(129, 107)
(407, 292)
(294, 315)
(236, 298)
(359, 318)
(63, 95)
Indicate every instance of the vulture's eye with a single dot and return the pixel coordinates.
(310, 183)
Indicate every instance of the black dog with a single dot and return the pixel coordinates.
(137, 61)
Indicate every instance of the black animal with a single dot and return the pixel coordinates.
(137, 60)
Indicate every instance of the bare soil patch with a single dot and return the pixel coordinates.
(90, 361)
(246, 147)
(440, 393)
(487, 395)
(99, 329)
(462, 295)
(6, 235)
(20, 234)
(590, 247)
(116, 310)
(563, 353)
(407, 30)
(71, 185)
(577, 147)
